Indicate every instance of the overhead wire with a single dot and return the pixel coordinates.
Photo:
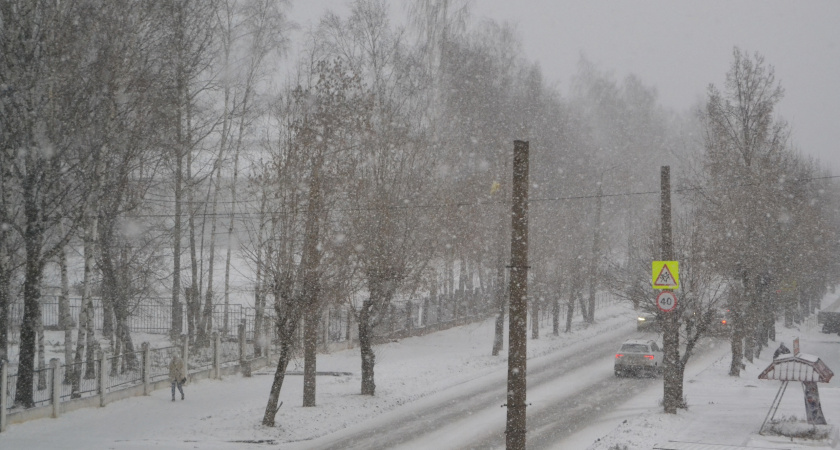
(245, 214)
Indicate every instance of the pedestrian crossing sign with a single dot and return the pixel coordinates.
(665, 275)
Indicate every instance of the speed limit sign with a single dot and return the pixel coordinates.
(666, 301)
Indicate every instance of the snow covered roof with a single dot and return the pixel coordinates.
(802, 367)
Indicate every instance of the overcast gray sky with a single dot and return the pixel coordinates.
(680, 47)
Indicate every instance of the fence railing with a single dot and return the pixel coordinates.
(67, 383)
(79, 379)
(109, 374)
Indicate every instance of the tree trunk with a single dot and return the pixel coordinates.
(570, 310)
(31, 303)
(5, 285)
(177, 311)
(535, 317)
(42, 363)
(584, 311)
(75, 371)
(593, 260)
(194, 298)
(84, 341)
(499, 332)
(284, 357)
(64, 316)
(259, 289)
(311, 282)
(736, 342)
(310, 342)
(739, 327)
(207, 316)
(366, 348)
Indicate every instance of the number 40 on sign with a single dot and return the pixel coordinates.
(666, 301)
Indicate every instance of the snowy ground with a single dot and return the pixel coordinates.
(225, 414)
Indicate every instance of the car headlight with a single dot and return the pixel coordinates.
(641, 319)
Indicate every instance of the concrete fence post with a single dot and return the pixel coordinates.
(147, 369)
(409, 321)
(243, 363)
(4, 380)
(217, 356)
(55, 365)
(103, 377)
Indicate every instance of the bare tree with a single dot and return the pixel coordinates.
(743, 145)
(186, 55)
(250, 33)
(325, 125)
(47, 116)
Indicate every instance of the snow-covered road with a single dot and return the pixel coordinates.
(444, 391)
(471, 414)
(567, 391)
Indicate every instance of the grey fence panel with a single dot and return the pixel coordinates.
(200, 358)
(337, 324)
(159, 364)
(42, 392)
(229, 352)
(42, 387)
(10, 390)
(87, 384)
(126, 370)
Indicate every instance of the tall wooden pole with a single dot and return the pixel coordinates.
(670, 335)
(517, 334)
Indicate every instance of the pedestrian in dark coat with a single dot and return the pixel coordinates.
(177, 375)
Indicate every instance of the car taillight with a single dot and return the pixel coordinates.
(648, 356)
(618, 355)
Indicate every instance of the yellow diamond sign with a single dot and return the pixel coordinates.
(665, 275)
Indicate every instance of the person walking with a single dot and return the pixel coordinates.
(177, 375)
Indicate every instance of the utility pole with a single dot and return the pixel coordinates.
(670, 335)
(518, 332)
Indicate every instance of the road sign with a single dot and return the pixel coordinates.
(665, 275)
(666, 301)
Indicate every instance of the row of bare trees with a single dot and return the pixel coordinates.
(122, 122)
(756, 229)
(143, 139)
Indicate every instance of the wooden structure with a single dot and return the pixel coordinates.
(802, 367)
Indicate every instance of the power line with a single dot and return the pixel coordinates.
(245, 214)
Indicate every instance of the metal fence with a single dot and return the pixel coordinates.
(85, 384)
(159, 361)
(125, 370)
(42, 390)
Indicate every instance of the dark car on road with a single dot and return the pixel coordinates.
(648, 322)
(719, 325)
(830, 321)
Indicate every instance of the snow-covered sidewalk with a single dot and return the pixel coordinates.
(226, 414)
